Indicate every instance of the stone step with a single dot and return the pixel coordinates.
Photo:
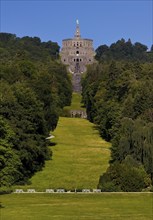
(76, 82)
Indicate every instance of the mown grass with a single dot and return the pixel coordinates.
(76, 102)
(105, 206)
(80, 156)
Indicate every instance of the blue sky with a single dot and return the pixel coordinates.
(103, 21)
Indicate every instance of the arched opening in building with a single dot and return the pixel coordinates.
(77, 52)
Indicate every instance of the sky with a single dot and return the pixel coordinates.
(104, 21)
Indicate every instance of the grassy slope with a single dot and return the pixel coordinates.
(76, 102)
(77, 207)
(79, 157)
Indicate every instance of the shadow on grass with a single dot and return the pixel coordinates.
(96, 127)
(105, 137)
(1, 206)
(52, 144)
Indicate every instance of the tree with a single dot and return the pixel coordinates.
(128, 176)
(101, 52)
(123, 50)
(9, 158)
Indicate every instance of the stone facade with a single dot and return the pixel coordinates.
(77, 52)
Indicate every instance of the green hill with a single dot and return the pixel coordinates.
(79, 157)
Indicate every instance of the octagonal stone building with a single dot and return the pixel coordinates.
(77, 52)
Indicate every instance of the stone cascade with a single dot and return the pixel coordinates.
(76, 82)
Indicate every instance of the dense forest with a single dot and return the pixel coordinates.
(118, 95)
(34, 88)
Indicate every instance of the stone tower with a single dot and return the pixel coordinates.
(77, 53)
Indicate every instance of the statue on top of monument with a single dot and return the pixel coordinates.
(77, 21)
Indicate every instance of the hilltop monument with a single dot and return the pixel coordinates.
(77, 53)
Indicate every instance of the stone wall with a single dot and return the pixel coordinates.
(78, 114)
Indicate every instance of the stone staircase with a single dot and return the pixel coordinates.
(76, 82)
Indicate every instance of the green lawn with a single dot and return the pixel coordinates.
(76, 102)
(80, 156)
(105, 206)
